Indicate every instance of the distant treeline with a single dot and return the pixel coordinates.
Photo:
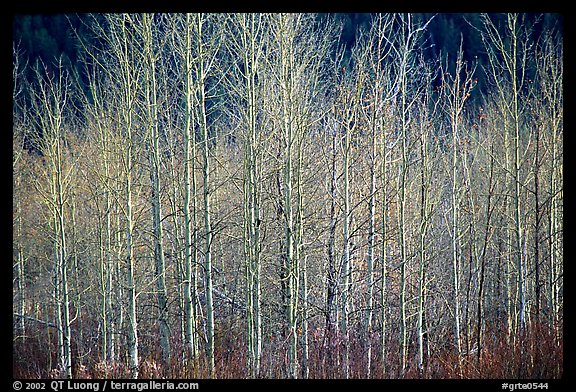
(48, 36)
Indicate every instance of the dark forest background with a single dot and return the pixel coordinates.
(46, 37)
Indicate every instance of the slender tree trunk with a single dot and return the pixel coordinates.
(552, 234)
(472, 250)
(520, 291)
(63, 258)
(370, 272)
(110, 314)
(457, 90)
(131, 292)
(537, 218)
(20, 262)
(332, 284)
(57, 290)
(384, 250)
(288, 138)
(75, 268)
(151, 108)
(422, 249)
(130, 283)
(123, 52)
(508, 55)
(104, 140)
(508, 250)
(201, 90)
(455, 236)
(17, 176)
(301, 278)
(49, 103)
(402, 219)
(250, 53)
(479, 307)
(106, 281)
(371, 251)
(190, 224)
(305, 344)
(288, 233)
(300, 255)
(346, 257)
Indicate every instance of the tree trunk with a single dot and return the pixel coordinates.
(331, 283)
(201, 90)
(151, 108)
(190, 244)
(384, 249)
(520, 290)
(346, 256)
(63, 265)
(455, 235)
(403, 339)
(537, 218)
(249, 51)
(424, 184)
(479, 307)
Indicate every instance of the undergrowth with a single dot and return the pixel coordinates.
(535, 353)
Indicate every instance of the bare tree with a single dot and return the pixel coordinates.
(191, 238)
(455, 92)
(332, 210)
(508, 56)
(347, 115)
(252, 34)
(380, 95)
(122, 46)
(50, 100)
(147, 26)
(206, 33)
(409, 83)
(426, 112)
(549, 102)
(19, 178)
(299, 53)
(102, 121)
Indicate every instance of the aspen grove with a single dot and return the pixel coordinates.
(247, 196)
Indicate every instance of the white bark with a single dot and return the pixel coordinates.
(455, 91)
(190, 240)
(49, 103)
(249, 48)
(151, 111)
(202, 69)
